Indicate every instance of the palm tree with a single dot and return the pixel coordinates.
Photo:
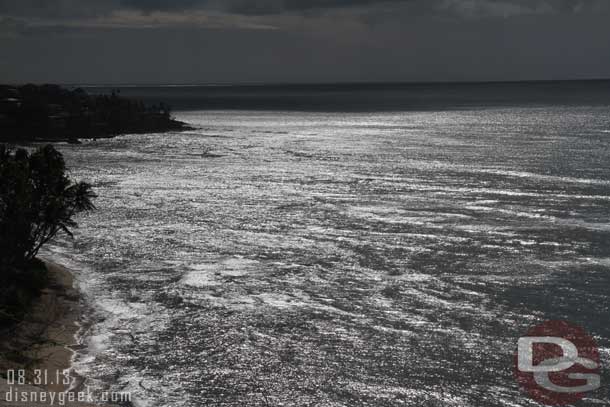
(37, 201)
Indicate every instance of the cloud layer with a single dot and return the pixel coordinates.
(79, 9)
(302, 40)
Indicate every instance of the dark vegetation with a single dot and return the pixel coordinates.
(52, 113)
(37, 201)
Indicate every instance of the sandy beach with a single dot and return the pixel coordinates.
(39, 350)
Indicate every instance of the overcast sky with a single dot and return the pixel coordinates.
(212, 41)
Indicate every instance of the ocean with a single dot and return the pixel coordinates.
(343, 245)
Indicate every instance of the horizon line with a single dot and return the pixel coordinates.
(322, 83)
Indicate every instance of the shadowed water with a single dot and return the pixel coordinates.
(341, 259)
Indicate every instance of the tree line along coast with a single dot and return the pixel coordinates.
(50, 113)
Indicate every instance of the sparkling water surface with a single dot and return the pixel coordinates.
(340, 259)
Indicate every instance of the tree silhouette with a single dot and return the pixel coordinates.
(37, 201)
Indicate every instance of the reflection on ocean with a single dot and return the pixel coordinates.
(341, 259)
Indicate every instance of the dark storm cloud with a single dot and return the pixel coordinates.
(188, 41)
(265, 7)
(163, 5)
(90, 8)
(75, 8)
(60, 9)
(298, 6)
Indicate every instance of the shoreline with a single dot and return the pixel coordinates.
(43, 345)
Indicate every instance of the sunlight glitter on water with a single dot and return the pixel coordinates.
(340, 259)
